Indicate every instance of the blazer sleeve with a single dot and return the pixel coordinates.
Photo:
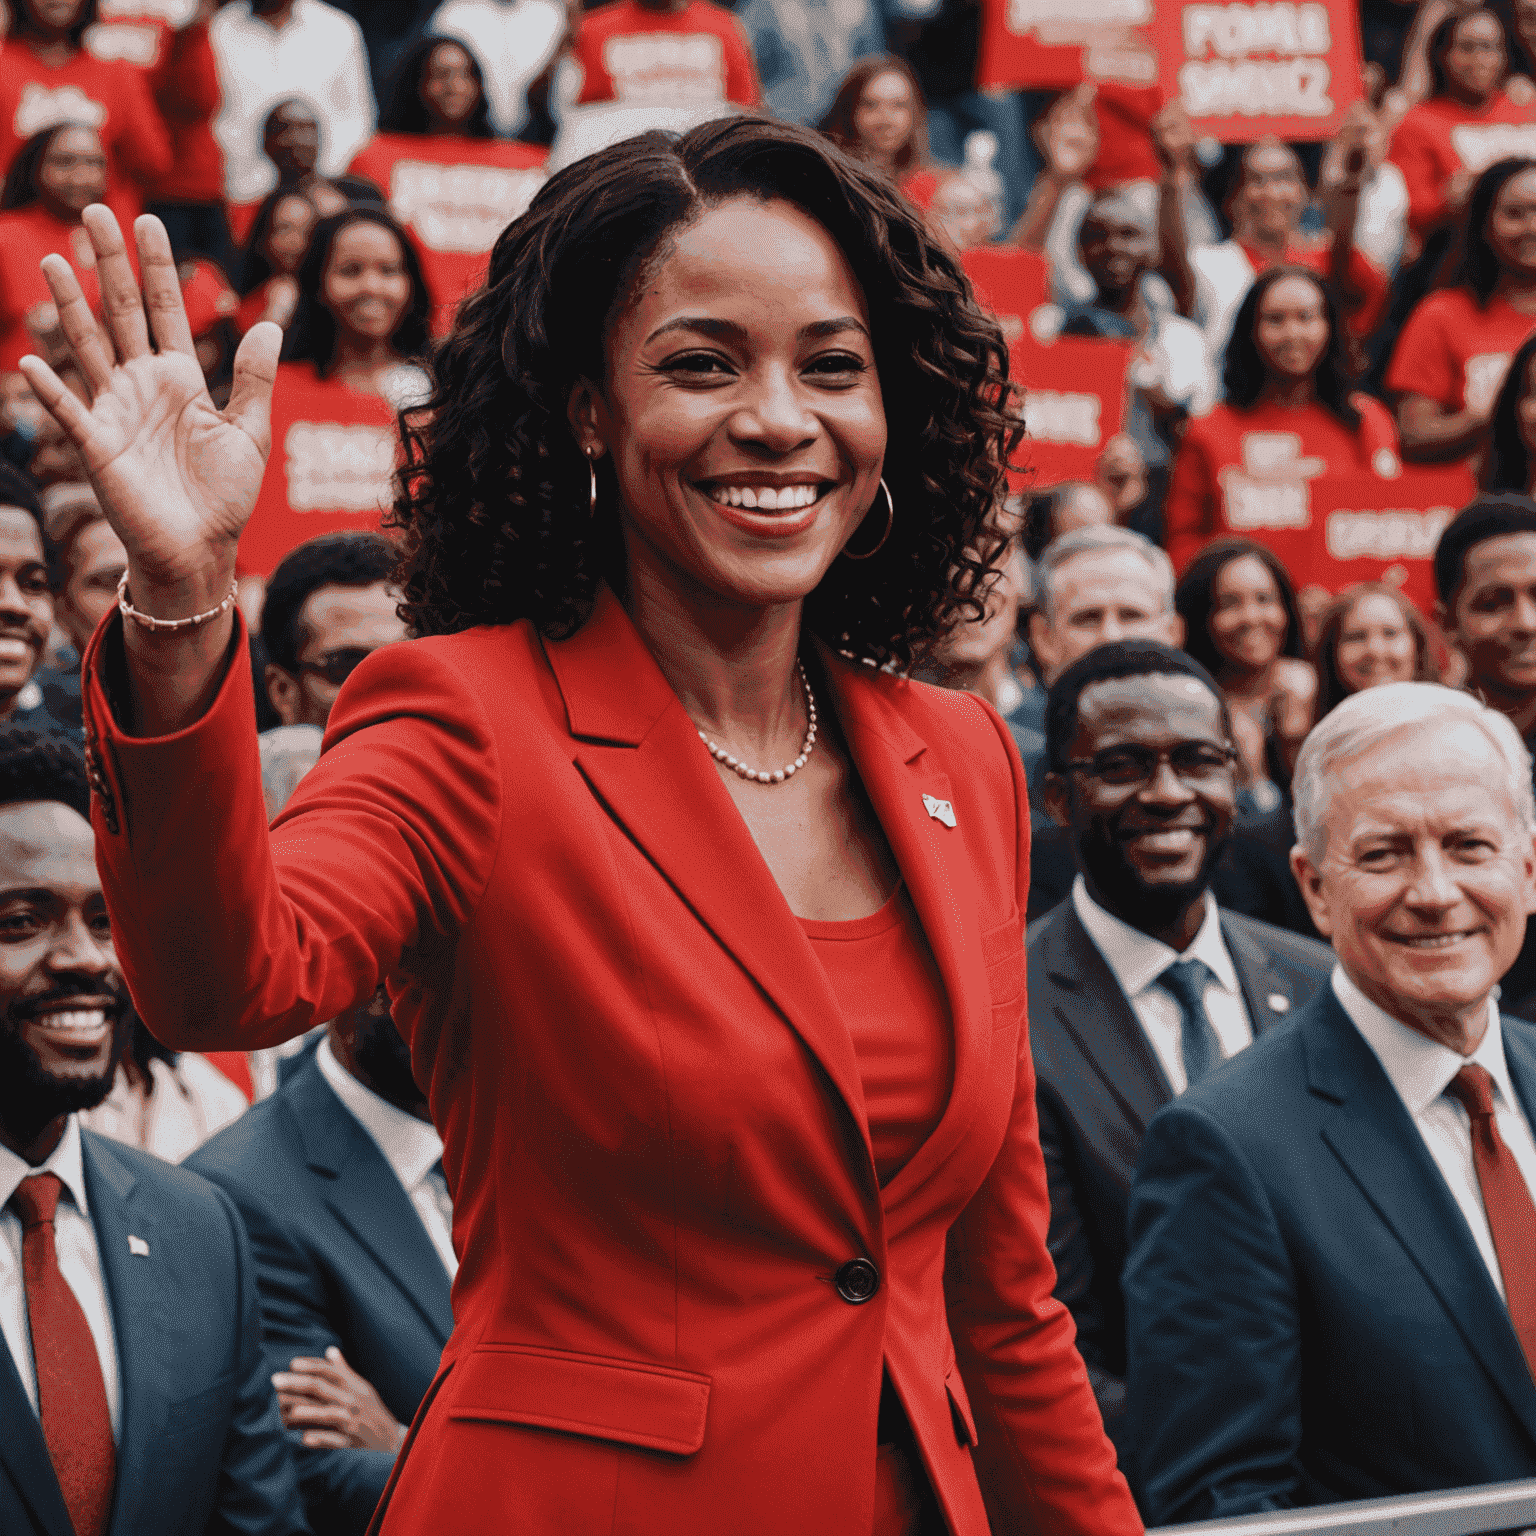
(341, 1487)
(1213, 1330)
(231, 937)
(258, 1489)
(1042, 1457)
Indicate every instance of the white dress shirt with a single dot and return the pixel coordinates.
(1420, 1069)
(410, 1146)
(512, 41)
(1137, 960)
(79, 1263)
(319, 57)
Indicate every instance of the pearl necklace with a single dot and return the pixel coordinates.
(778, 775)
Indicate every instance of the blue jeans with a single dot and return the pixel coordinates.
(950, 118)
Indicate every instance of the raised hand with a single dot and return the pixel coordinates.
(177, 478)
(1069, 134)
(1173, 137)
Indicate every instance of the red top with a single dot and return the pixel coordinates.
(26, 236)
(1456, 352)
(333, 452)
(110, 96)
(892, 998)
(1245, 474)
(1126, 152)
(455, 195)
(631, 54)
(1439, 137)
(920, 188)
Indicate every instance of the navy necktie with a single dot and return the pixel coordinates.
(1186, 980)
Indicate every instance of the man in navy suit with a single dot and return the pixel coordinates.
(1331, 1291)
(1106, 1031)
(337, 1176)
(133, 1389)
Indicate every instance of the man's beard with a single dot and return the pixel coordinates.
(30, 1096)
(1147, 907)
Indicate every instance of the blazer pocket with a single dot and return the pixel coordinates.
(960, 1408)
(1002, 950)
(628, 1401)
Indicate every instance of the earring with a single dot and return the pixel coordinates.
(592, 480)
(890, 522)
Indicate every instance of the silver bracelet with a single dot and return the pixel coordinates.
(149, 621)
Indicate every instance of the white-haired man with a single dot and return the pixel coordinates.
(1331, 1291)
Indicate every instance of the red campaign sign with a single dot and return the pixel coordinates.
(1050, 44)
(1335, 529)
(1261, 67)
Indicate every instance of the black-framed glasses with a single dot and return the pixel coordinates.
(338, 665)
(1195, 762)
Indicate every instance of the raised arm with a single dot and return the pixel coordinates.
(1174, 140)
(1068, 137)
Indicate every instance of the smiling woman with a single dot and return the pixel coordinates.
(731, 1068)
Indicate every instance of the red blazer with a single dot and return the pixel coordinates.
(651, 1113)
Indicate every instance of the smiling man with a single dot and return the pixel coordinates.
(133, 1386)
(1331, 1292)
(1138, 984)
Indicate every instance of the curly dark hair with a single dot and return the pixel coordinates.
(1477, 263)
(35, 766)
(407, 113)
(1245, 373)
(312, 336)
(494, 489)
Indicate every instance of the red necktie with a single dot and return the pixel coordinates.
(1507, 1200)
(71, 1395)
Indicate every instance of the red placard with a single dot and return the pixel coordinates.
(1333, 529)
(1253, 67)
(1050, 44)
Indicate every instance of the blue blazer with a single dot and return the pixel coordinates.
(201, 1448)
(342, 1258)
(1309, 1317)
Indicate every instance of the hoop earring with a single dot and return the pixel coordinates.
(890, 522)
(592, 480)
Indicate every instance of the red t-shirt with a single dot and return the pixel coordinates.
(1245, 474)
(455, 195)
(179, 68)
(1455, 352)
(334, 449)
(110, 96)
(1439, 137)
(26, 236)
(920, 188)
(631, 54)
(1126, 152)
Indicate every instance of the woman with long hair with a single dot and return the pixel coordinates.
(351, 360)
(1285, 372)
(1242, 624)
(268, 280)
(449, 180)
(42, 55)
(878, 115)
(701, 919)
(1509, 461)
(1442, 143)
(1370, 634)
(1455, 347)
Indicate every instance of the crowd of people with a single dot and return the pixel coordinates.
(390, 1106)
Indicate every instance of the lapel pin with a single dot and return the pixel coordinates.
(940, 810)
(1278, 1002)
(138, 1247)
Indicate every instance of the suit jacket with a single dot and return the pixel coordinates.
(1309, 1317)
(652, 1117)
(1098, 1084)
(201, 1447)
(341, 1258)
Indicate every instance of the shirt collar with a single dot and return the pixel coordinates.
(1417, 1067)
(65, 1160)
(410, 1146)
(1137, 959)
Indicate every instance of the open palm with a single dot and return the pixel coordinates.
(177, 477)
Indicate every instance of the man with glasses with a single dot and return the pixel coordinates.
(328, 605)
(1138, 984)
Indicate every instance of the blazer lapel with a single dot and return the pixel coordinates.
(1098, 1016)
(139, 1291)
(641, 755)
(363, 1193)
(897, 772)
(1372, 1134)
(1259, 983)
(24, 1454)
